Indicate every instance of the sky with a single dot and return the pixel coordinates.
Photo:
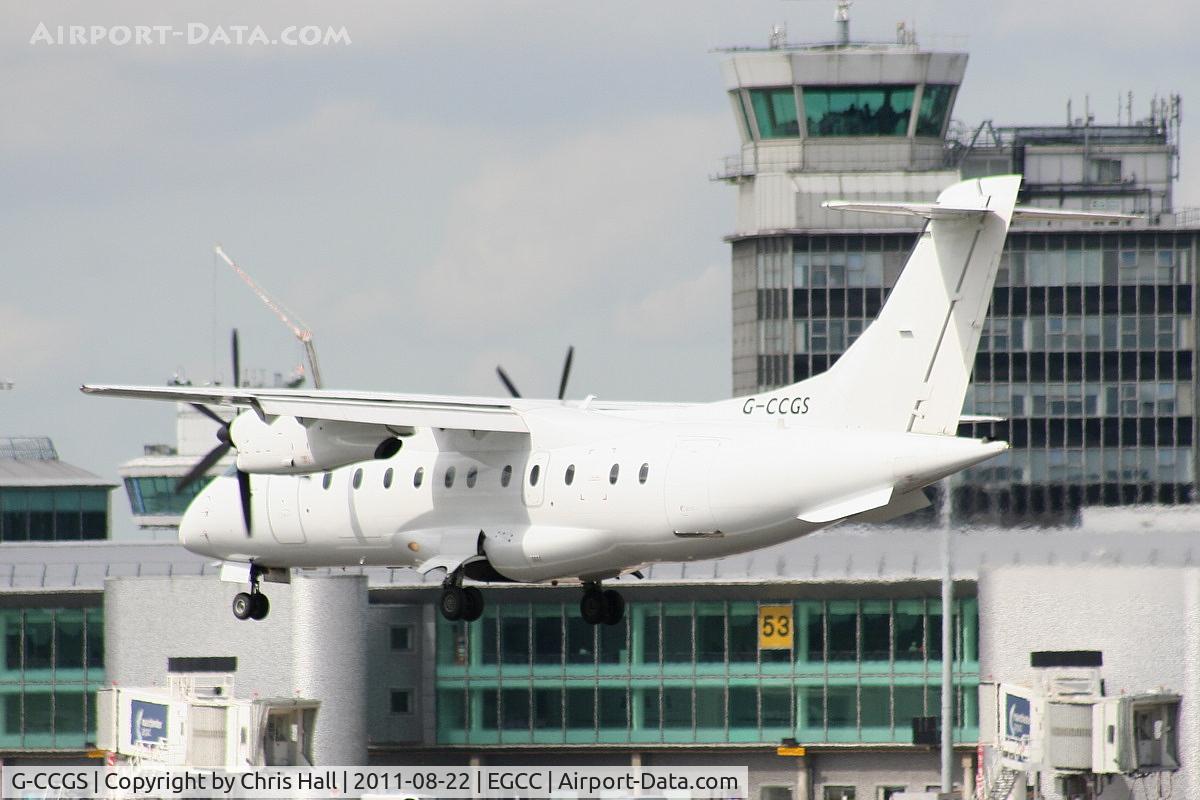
(462, 184)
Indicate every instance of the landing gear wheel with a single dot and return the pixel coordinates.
(592, 606)
(243, 605)
(260, 606)
(472, 604)
(453, 603)
(614, 607)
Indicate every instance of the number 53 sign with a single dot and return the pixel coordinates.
(775, 627)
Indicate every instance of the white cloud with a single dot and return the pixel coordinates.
(675, 312)
(574, 226)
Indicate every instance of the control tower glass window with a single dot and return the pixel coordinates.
(935, 102)
(775, 111)
(858, 110)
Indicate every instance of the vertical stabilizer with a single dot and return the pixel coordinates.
(909, 369)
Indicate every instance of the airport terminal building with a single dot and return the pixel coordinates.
(686, 679)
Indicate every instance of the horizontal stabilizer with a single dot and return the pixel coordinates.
(847, 507)
(939, 211)
(927, 210)
(1062, 214)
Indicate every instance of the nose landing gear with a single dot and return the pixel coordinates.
(601, 605)
(253, 604)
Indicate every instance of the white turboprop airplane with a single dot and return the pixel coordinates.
(500, 489)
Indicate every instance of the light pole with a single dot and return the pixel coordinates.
(947, 642)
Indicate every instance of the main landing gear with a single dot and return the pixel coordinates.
(252, 604)
(460, 602)
(601, 605)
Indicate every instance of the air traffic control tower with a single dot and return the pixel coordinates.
(845, 120)
(1088, 355)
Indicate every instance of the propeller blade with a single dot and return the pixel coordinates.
(208, 412)
(237, 361)
(566, 373)
(202, 466)
(507, 383)
(244, 491)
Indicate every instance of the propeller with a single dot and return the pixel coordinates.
(562, 384)
(225, 444)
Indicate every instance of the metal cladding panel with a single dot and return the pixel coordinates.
(150, 620)
(946, 68)
(1068, 735)
(857, 67)
(763, 69)
(329, 640)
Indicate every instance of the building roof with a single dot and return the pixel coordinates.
(22, 472)
(846, 555)
(32, 461)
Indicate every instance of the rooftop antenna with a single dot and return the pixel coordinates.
(289, 318)
(778, 37)
(842, 18)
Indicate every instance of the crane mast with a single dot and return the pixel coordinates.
(285, 315)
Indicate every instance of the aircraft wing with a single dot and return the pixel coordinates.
(372, 408)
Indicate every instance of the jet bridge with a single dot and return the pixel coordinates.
(196, 721)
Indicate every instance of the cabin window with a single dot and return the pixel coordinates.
(534, 473)
(506, 475)
(613, 473)
(357, 478)
(472, 476)
(449, 477)
(643, 473)
(570, 476)
(418, 477)
(387, 478)
(327, 481)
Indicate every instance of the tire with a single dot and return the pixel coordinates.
(591, 606)
(472, 603)
(243, 605)
(614, 607)
(453, 603)
(261, 606)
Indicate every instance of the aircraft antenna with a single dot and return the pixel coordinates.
(286, 315)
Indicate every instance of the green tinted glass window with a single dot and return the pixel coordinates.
(935, 102)
(775, 111)
(547, 709)
(858, 110)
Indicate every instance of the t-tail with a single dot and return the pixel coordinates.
(908, 371)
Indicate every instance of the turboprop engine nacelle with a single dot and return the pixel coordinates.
(288, 446)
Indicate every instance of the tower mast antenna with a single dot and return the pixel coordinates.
(288, 317)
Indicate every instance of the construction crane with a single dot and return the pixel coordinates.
(288, 317)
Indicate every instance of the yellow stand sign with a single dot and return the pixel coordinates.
(775, 627)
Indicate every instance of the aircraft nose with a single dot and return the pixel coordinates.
(212, 518)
